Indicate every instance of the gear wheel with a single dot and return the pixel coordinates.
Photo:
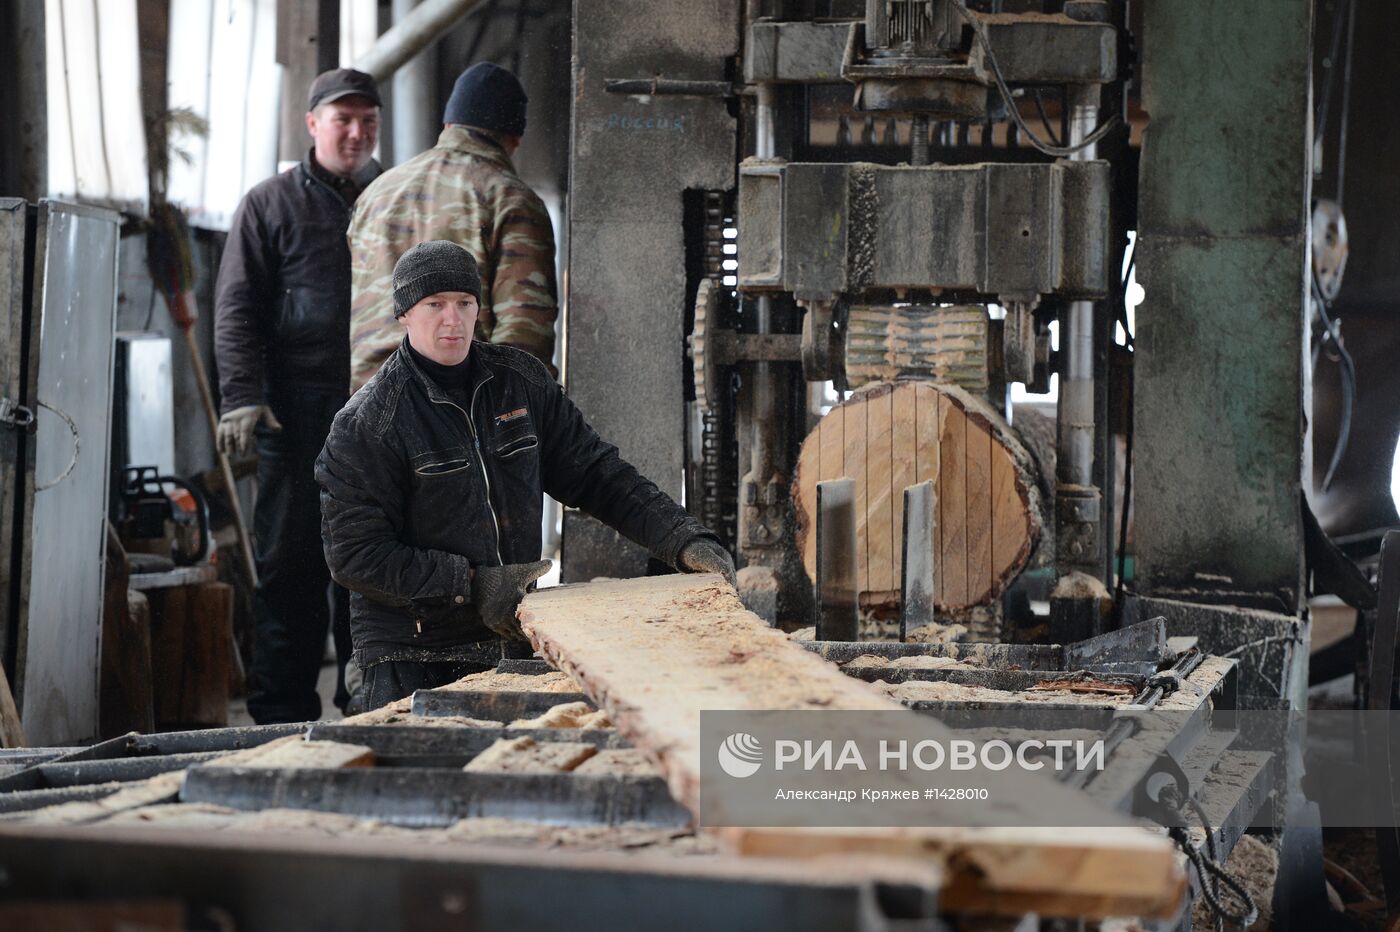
(708, 308)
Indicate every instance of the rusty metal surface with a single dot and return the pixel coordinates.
(916, 553)
(988, 228)
(1222, 256)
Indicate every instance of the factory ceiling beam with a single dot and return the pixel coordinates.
(410, 35)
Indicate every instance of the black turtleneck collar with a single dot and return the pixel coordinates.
(348, 188)
(448, 378)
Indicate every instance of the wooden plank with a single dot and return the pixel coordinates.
(1085, 872)
(294, 751)
(145, 915)
(653, 678)
(169, 608)
(880, 494)
(656, 652)
(952, 503)
(11, 730)
(979, 511)
(16, 467)
(526, 755)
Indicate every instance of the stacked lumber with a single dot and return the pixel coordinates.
(656, 652)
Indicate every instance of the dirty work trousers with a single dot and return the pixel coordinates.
(295, 602)
(391, 680)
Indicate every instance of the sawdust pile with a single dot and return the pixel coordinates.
(526, 755)
(935, 633)
(551, 682)
(933, 691)
(625, 762)
(401, 713)
(567, 715)
(1255, 863)
(903, 663)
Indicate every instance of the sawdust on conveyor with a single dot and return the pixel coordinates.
(567, 715)
(939, 691)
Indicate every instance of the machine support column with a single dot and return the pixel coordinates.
(1077, 500)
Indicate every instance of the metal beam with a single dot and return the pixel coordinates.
(1222, 256)
(278, 883)
(412, 34)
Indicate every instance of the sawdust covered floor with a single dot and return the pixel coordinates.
(1360, 890)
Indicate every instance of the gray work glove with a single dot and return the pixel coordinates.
(236, 428)
(497, 591)
(703, 555)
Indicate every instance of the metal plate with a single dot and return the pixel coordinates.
(146, 399)
(75, 295)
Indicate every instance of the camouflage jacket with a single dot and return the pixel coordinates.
(465, 190)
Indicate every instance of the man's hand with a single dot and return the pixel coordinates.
(703, 555)
(497, 591)
(236, 428)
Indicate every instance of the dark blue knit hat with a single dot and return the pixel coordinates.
(489, 97)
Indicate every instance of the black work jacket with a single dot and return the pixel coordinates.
(282, 299)
(417, 489)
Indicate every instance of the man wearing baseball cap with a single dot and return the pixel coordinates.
(464, 190)
(282, 345)
(431, 483)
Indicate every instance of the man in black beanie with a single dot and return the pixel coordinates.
(464, 190)
(431, 483)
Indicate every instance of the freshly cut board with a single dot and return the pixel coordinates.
(892, 435)
(656, 652)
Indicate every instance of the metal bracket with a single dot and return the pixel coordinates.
(16, 416)
(668, 87)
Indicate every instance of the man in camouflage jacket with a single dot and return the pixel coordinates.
(463, 190)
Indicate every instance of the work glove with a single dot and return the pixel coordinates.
(703, 555)
(236, 428)
(497, 591)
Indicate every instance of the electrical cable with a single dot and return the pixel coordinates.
(1346, 107)
(1209, 870)
(1059, 152)
(1348, 384)
(1324, 102)
(1044, 118)
(1332, 331)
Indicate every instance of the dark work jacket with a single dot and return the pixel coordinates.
(282, 300)
(417, 489)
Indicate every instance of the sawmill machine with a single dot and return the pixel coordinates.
(923, 190)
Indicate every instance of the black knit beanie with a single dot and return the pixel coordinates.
(489, 97)
(427, 268)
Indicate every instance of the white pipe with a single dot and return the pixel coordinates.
(415, 32)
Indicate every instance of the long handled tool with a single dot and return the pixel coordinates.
(173, 272)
